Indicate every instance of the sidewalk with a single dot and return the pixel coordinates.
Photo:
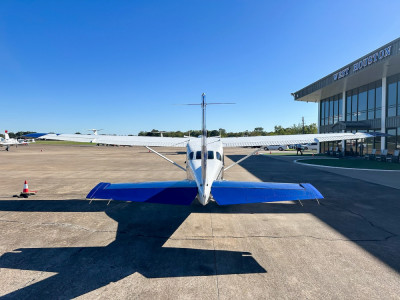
(387, 178)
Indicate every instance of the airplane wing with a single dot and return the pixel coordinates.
(115, 139)
(254, 141)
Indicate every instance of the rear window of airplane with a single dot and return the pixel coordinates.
(218, 155)
(191, 154)
(198, 155)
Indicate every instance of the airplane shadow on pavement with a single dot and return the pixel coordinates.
(138, 247)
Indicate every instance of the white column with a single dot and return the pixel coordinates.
(383, 113)
(344, 116)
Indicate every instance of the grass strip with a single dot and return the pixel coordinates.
(353, 163)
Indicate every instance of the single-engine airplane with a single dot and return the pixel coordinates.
(205, 168)
(7, 141)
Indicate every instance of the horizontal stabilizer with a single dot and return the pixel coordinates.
(240, 192)
(168, 192)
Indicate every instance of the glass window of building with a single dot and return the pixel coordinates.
(335, 110)
(340, 105)
(331, 110)
(391, 98)
(326, 111)
(322, 114)
(378, 101)
(371, 102)
(362, 104)
(348, 106)
(354, 111)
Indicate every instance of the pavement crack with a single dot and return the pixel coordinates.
(372, 224)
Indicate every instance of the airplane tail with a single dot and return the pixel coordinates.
(6, 136)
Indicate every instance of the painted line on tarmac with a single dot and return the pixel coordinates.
(297, 161)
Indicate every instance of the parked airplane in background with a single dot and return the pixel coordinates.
(7, 141)
(95, 131)
(205, 168)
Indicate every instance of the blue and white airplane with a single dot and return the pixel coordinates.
(205, 168)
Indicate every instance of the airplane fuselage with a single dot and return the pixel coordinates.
(204, 171)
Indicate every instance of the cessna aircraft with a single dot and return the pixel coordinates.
(205, 168)
(7, 141)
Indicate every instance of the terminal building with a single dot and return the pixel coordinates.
(363, 96)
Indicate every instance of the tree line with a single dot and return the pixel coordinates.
(258, 131)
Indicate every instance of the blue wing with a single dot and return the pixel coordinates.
(167, 192)
(240, 192)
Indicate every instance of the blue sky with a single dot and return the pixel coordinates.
(67, 66)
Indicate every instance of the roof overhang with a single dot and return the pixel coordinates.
(350, 76)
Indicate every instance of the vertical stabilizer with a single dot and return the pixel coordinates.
(6, 136)
(203, 141)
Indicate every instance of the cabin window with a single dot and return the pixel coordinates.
(191, 154)
(218, 155)
(210, 155)
(198, 155)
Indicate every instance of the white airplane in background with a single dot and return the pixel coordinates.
(95, 131)
(7, 141)
(205, 168)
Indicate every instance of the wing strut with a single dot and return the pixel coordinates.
(242, 159)
(171, 161)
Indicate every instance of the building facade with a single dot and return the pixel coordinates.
(363, 96)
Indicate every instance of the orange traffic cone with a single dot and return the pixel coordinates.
(26, 188)
(26, 191)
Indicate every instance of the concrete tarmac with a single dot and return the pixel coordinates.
(55, 245)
